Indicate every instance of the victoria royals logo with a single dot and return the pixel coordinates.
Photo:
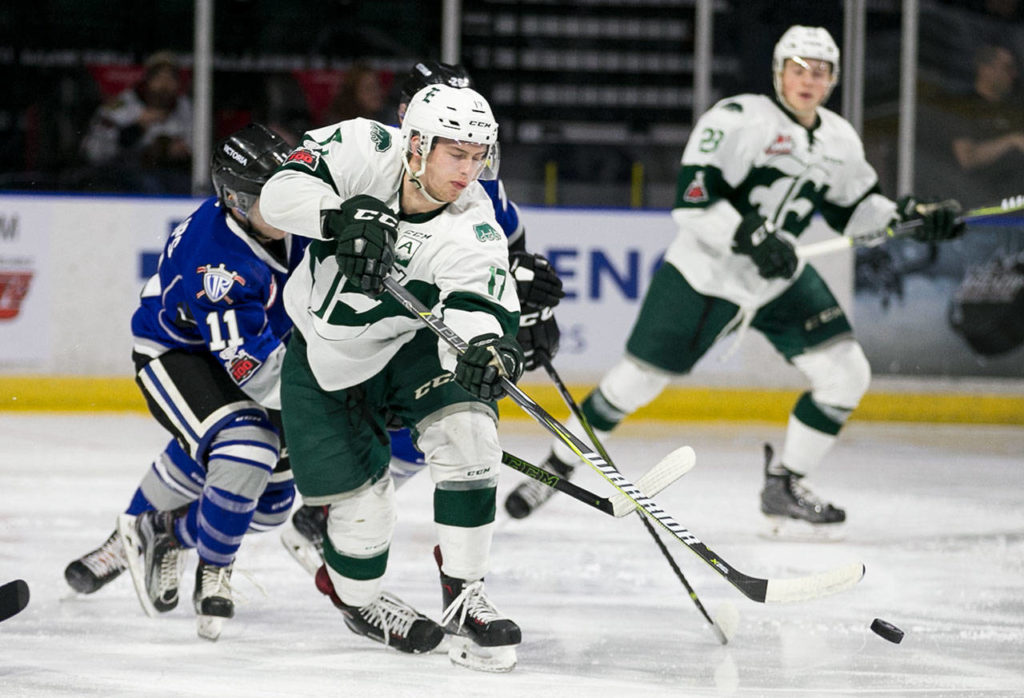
(217, 282)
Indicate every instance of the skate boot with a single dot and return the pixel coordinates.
(304, 538)
(94, 570)
(387, 620)
(530, 494)
(155, 558)
(212, 599)
(793, 511)
(480, 637)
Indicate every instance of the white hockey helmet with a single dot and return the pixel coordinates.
(805, 42)
(459, 114)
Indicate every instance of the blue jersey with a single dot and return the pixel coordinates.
(218, 290)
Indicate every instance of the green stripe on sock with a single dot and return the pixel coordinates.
(465, 508)
(355, 567)
(811, 415)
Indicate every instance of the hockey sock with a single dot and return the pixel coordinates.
(810, 435)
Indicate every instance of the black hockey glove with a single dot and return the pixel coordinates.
(538, 333)
(537, 284)
(773, 254)
(938, 219)
(488, 359)
(365, 230)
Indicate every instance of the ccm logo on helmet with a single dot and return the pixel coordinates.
(235, 155)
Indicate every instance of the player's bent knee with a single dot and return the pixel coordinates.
(630, 384)
(462, 446)
(361, 523)
(839, 373)
(274, 505)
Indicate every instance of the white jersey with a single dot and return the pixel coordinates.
(454, 259)
(747, 154)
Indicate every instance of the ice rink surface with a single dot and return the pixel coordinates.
(936, 513)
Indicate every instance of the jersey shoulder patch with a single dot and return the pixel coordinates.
(485, 232)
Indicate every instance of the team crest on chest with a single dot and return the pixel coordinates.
(217, 282)
(696, 191)
(782, 145)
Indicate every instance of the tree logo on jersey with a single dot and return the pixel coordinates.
(381, 138)
(305, 157)
(405, 248)
(782, 145)
(486, 233)
(696, 191)
(241, 365)
(217, 282)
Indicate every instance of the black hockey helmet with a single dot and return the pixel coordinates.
(243, 162)
(434, 73)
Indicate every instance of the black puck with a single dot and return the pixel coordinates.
(887, 630)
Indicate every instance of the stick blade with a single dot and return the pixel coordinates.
(14, 598)
(814, 586)
(664, 473)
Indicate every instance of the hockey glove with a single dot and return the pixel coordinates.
(487, 360)
(773, 254)
(538, 333)
(938, 219)
(537, 284)
(365, 230)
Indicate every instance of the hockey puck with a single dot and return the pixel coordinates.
(887, 630)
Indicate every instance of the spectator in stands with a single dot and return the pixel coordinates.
(988, 140)
(142, 140)
(360, 94)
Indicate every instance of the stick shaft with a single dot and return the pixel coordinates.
(567, 397)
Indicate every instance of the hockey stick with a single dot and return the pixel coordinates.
(664, 473)
(570, 402)
(754, 588)
(13, 598)
(872, 238)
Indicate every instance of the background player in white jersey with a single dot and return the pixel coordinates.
(381, 202)
(208, 346)
(754, 172)
(537, 285)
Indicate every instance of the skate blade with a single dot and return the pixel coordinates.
(136, 566)
(299, 547)
(464, 652)
(209, 627)
(800, 531)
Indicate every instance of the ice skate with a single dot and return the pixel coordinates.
(304, 537)
(155, 559)
(212, 599)
(793, 511)
(480, 637)
(529, 495)
(96, 569)
(387, 620)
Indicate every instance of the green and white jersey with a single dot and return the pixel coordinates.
(747, 154)
(455, 259)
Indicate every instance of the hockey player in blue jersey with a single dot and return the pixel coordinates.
(209, 339)
(539, 290)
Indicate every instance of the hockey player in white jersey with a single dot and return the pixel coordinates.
(380, 202)
(754, 172)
